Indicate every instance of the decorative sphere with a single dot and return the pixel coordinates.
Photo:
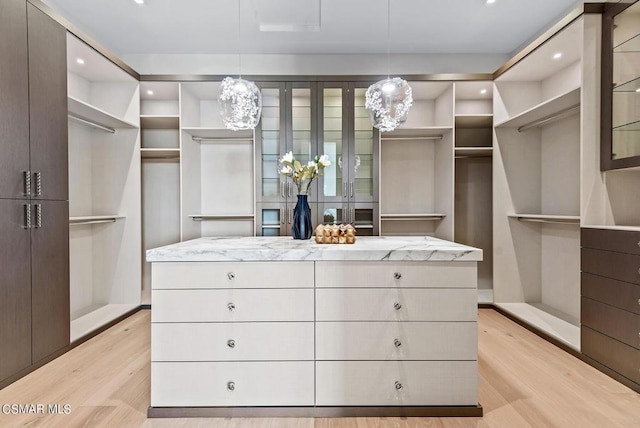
(240, 103)
(388, 102)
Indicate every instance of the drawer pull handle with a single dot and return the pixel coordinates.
(231, 276)
(397, 343)
(397, 275)
(231, 307)
(231, 343)
(398, 386)
(397, 306)
(231, 386)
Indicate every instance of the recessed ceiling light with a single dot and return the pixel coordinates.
(483, 91)
(557, 55)
(80, 61)
(490, 1)
(149, 92)
(139, 1)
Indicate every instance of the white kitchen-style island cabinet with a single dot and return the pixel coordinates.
(270, 326)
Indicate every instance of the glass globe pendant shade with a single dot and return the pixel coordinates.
(388, 102)
(240, 103)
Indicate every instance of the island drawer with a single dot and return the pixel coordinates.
(396, 383)
(194, 384)
(620, 266)
(269, 341)
(396, 304)
(620, 294)
(232, 305)
(271, 274)
(617, 323)
(396, 341)
(396, 274)
(622, 241)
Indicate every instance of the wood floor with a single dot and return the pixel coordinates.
(524, 382)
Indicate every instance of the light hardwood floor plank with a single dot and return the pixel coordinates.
(524, 382)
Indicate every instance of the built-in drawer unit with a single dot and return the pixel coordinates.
(610, 302)
(396, 341)
(274, 274)
(193, 384)
(269, 341)
(396, 383)
(396, 274)
(396, 304)
(229, 305)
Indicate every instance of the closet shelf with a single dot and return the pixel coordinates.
(218, 134)
(543, 110)
(82, 110)
(547, 218)
(630, 45)
(159, 122)
(426, 133)
(157, 153)
(466, 121)
(612, 227)
(472, 152)
(203, 217)
(410, 217)
(632, 126)
(94, 219)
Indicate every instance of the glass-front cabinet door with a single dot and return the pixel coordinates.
(270, 143)
(333, 139)
(301, 132)
(363, 183)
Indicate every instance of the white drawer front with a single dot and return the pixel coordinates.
(396, 341)
(373, 383)
(232, 341)
(232, 305)
(273, 274)
(195, 384)
(396, 304)
(396, 274)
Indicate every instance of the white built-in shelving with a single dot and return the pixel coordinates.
(104, 189)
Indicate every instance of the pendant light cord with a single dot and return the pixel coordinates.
(239, 44)
(388, 39)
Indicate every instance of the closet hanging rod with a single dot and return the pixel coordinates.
(79, 223)
(424, 137)
(204, 139)
(90, 123)
(553, 117)
(544, 220)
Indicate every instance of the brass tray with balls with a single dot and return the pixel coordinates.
(335, 234)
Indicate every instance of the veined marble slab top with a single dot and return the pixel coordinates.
(260, 248)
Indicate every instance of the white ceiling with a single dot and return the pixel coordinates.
(344, 26)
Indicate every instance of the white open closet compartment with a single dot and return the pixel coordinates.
(416, 166)
(217, 168)
(537, 186)
(104, 189)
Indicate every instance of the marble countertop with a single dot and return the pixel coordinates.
(261, 248)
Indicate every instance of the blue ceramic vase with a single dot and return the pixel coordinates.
(302, 227)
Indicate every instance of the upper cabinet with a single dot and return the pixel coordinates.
(621, 86)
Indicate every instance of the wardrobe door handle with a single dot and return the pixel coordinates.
(289, 189)
(38, 215)
(351, 188)
(282, 184)
(282, 219)
(27, 216)
(38, 177)
(344, 191)
(26, 175)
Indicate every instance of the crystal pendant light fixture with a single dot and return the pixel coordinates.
(239, 100)
(388, 100)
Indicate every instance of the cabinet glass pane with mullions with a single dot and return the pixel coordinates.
(269, 133)
(363, 185)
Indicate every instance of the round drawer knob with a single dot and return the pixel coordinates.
(398, 386)
(397, 275)
(638, 243)
(231, 343)
(639, 301)
(231, 276)
(397, 343)
(231, 307)
(231, 386)
(397, 306)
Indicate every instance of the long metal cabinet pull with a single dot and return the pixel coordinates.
(38, 215)
(290, 216)
(353, 215)
(289, 187)
(351, 188)
(282, 219)
(282, 184)
(27, 182)
(38, 177)
(27, 216)
(344, 189)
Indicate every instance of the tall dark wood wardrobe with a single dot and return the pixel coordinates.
(34, 206)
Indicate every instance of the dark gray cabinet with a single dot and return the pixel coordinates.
(34, 207)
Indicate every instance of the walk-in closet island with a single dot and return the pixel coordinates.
(276, 326)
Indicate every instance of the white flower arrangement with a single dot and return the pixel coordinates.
(302, 175)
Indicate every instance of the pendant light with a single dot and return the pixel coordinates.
(388, 100)
(239, 100)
